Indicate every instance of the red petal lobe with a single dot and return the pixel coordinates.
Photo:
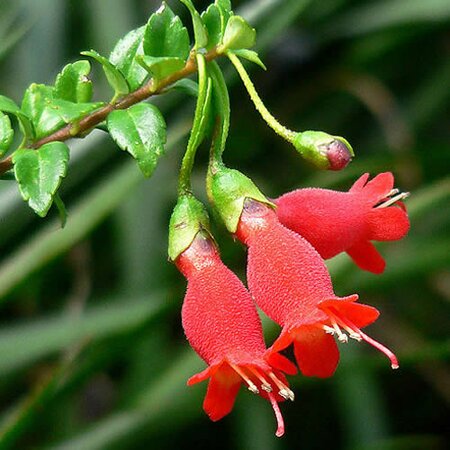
(221, 394)
(388, 224)
(316, 352)
(366, 257)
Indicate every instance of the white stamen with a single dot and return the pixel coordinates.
(265, 386)
(250, 385)
(393, 200)
(284, 391)
(352, 333)
(341, 336)
(328, 330)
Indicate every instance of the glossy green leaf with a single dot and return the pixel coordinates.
(200, 32)
(238, 34)
(251, 56)
(48, 113)
(160, 67)
(165, 36)
(73, 84)
(39, 174)
(224, 7)
(115, 78)
(62, 211)
(124, 54)
(141, 131)
(9, 106)
(213, 23)
(187, 86)
(6, 133)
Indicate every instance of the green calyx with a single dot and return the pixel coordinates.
(188, 218)
(323, 150)
(228, 189)
(238, 35)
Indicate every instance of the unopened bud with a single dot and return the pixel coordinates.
(324, 150)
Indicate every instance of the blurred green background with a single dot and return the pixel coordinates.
(92, 354)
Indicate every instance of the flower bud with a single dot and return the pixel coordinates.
(324, 150)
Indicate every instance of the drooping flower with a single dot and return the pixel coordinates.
(222, 325)
(334, 222)
(291, 284)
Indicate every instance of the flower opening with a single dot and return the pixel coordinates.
(334, 221)
(222, 325)
(290, 282)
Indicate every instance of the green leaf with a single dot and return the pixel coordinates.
(115, 78)
(6, 133)
(213, 23)
(124, 54)
(250, 55)
(39, 173)
(141, 131)
(238, 34)
(160, 67)
(47, 113)
(61, 209)
(166, 37)
(200, 33)
(185, 85)
(9, 106)
(224, 7)
(73, 84)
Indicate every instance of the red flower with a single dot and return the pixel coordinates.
(222, 325)
(291, 284)
(334, 221)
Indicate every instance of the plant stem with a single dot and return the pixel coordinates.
(222, 104)
(85, 125)
(273, 123)
(200, 117)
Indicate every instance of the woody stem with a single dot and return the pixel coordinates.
(90, 121)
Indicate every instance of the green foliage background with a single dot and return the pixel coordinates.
(92, 354)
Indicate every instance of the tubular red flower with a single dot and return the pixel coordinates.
(335, 222)
(291, 284)
(222, 325)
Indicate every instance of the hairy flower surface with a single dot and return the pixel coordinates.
(222, 325)
(291, 284)
(334, 222)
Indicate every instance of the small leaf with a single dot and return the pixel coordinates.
(141, 131)
(123, 57)
(160, 67)
(61, 209)
(6, 133)
(165, 35)
(250, 55)
(224, 7)
(185, 85)
(115, 78)
(238, 34)
(49, 114)
(213, 23)
(39, 174)
(73, 84)
(200, 33)
(9, 106)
